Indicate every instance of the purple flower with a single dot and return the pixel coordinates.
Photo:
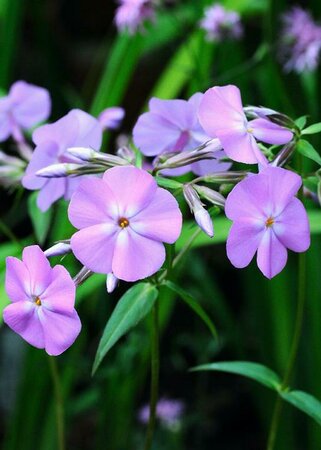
(168, 411)
(123, 218)
(42, 309)
(76, 129)
(173, 126)
(300, 42)
(268, 218)
(221, 24)
(24, 107)
(221, 115)
(131, 14)
(111, 118)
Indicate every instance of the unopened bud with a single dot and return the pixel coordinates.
(58, 170)
(269, 114)
(284, 155)
(223, 177)
(82, 276)
(90, 155)
(127, 154)
(111, 282)
(210, 195)
(202, 216)
(59, 249)
(11, 160)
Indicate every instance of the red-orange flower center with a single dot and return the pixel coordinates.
(123, 222)
(269, 222)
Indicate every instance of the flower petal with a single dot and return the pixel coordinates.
(59, 296)
(269, 132)
(60, 330)
(241, 146)
(5, 127)
(180, 113)
(242, 242)
(22, 318)
(51, 192)
(39, 268)
(92, 203)
(161, 220)
(271, 254)
(44, 155)
(292, 227)
(17, 280)
(94, 246)
(133, 188)
(136, 256)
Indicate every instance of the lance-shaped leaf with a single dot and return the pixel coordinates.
(305, 402)
(133, 306)
(312, 129)
(255, 371)
(306, 149)
(41, 221)
(193, 304)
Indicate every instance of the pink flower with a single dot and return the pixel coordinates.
(42, 310)
(221, 24)
(24, 107)
(76, 129)
(131, 14)
(267, 218)
(221, 115)
(123, 219)
(111, 118)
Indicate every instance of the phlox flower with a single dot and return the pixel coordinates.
(267, 218)
(123, 219)
(76, 129)
(168, 411)
(131, 14)
(300, 42)
(221, 24)
(42, 310)
(173, 126)
(221, 115)
(24, 107)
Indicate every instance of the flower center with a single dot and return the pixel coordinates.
(123, 222)
(37, 301)
(250, 130)
(269, 222)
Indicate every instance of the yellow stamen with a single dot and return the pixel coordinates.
(269, 222)
(250, 130)
(123, 222)
(37, 301)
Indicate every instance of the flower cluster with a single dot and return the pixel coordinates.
(131, 14)
(221, 24)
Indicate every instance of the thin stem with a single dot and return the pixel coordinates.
(293, 351)
(154, 378)
(58, 402)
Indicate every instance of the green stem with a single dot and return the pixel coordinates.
(154, 378)
(58, 402)
(293, 351)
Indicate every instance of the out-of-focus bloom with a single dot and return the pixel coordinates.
(24, 107)
(11, 170)
(131, 14)
(202, 217)
(267, 218)
(123, 219)
(111, 118)
(111, 282)
(300, 42)
(76, 129)
(221, 115)
(173, 126)
(42, 310)
(221, 24)
(168, 411)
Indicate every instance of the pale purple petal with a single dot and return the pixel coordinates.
(242, 242)
(92, 203)
(89, 131)
(60, 330)
(59, 296)
(17, 280)
(51, 192)
(209, 166)
(111, 118)
(241, 146)
(180, 113)
(38, 267)
(63, 132)
(5, 127)
(30, 104)
(292, 227)
(133, 188)
(271, 254)
(22, 317)
(44, 155)
(94, 246)
(269, 132)
(161, 220)
(136, 257)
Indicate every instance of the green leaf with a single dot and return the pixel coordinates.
(41, 221)
(312, 129)
(301, 121)
(133, 306)
(257, 372)
(193, 304)
(311, 183)
(307, 150)
(168, 183)
(305, 402)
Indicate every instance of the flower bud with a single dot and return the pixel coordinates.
(127, 154)
(58, 170)
(82, 276)
(284, 155)
(223, 177)
(90, 155)
(111, 282)
(59, 249)
(210, 195)
(269, 114)
(202, 216)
